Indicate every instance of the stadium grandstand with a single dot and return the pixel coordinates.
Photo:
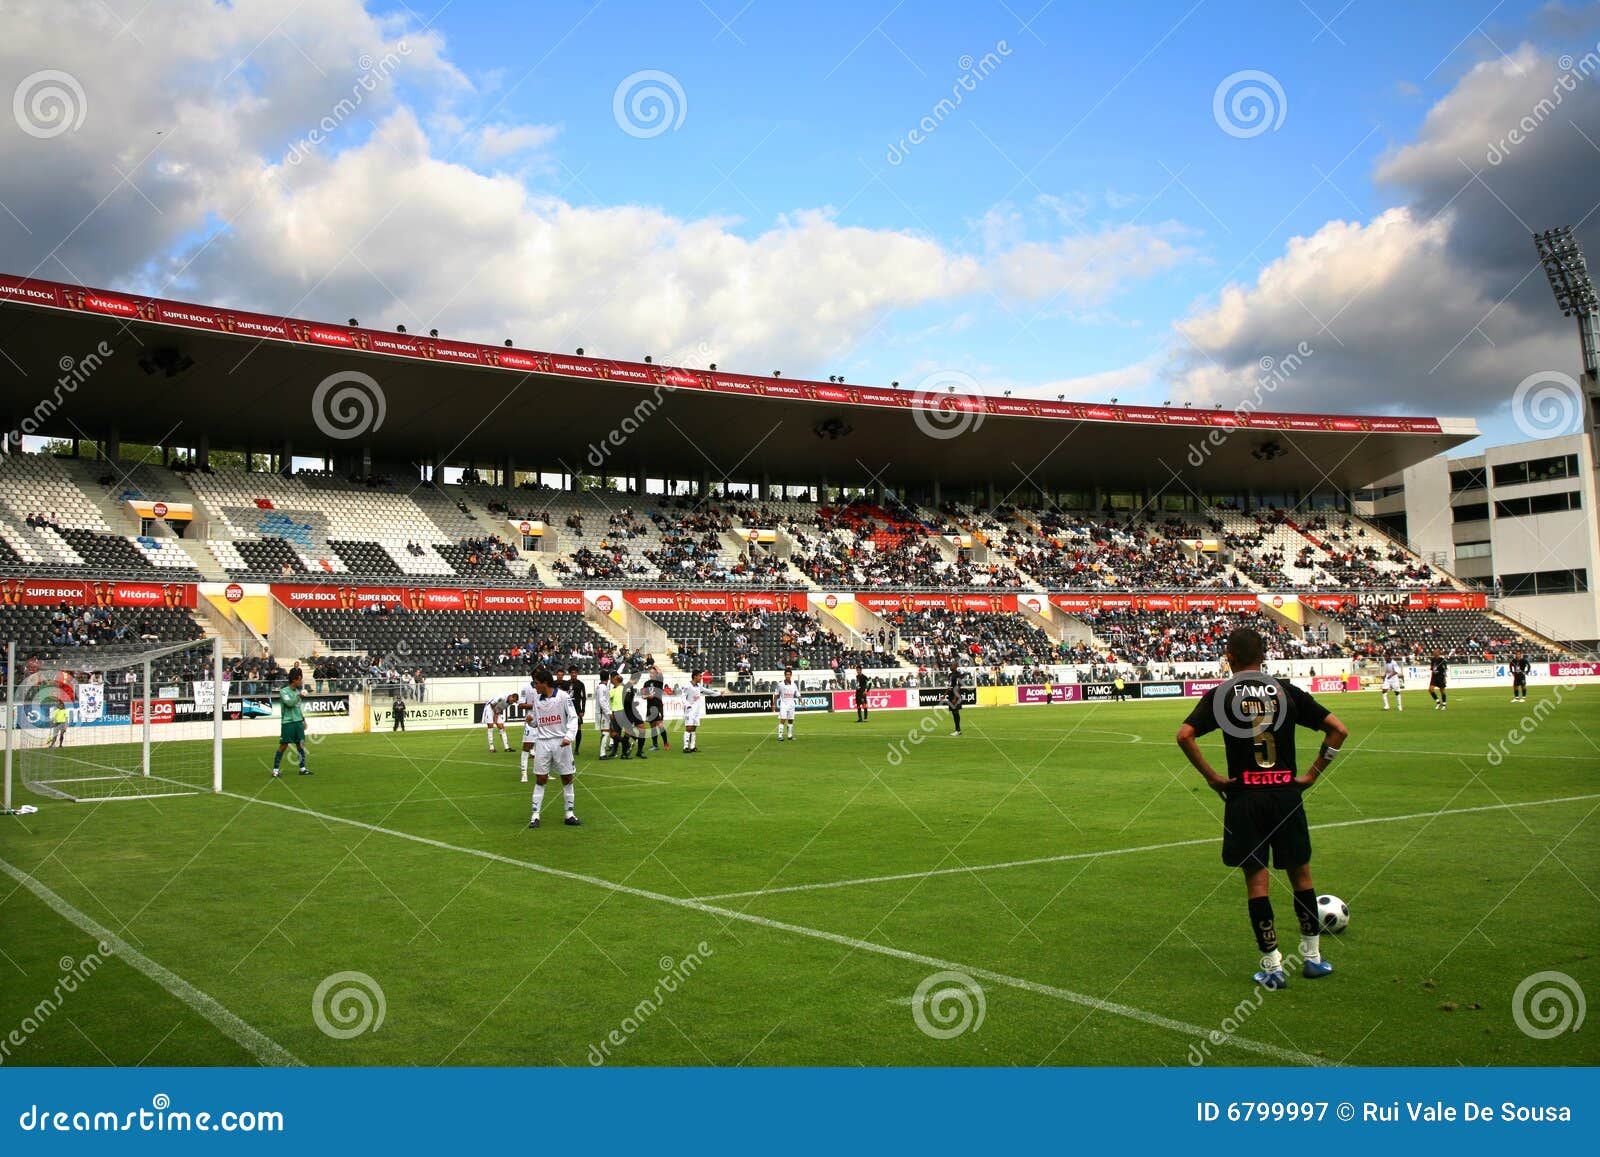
(343, 497)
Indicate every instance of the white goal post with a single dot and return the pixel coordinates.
(88, 724)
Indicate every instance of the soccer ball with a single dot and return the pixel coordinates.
(1333, 914)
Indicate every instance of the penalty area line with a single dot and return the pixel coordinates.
(1083, 1000)
(252, 1040)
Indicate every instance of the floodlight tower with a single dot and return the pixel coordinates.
(1562, 258)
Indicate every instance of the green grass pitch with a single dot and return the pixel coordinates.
(676, 927)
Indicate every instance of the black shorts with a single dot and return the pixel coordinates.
(1439, 683)
(1258, 820)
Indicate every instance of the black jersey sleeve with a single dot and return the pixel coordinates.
(1204, 716)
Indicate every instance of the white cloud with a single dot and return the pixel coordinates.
(256, 200)
(1436, 306)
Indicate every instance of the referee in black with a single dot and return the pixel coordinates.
(1519, 678)
(861, 696)
(580, 700)
(1438, 671)
(1262, 812)
(953, 698)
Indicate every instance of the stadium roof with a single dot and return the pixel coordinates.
(169, 371)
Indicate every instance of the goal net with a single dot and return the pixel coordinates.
(110, 723)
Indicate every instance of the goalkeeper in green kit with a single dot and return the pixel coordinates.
(293, 723)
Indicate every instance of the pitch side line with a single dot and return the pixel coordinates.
(257, 1044)
(1260, 1048)
(1121, 851)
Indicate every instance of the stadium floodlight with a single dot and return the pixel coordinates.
(1564, 264)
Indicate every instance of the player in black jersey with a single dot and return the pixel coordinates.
(1519, 678)
(861, 696)
(1438, 669)
(573, 686)
(1262, 810)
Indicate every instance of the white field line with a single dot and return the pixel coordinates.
(256, 1043)
(1156, 1020)
(860, 880)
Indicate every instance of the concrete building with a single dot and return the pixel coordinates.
(1518, 520)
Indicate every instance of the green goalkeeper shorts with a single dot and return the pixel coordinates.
(292, 733)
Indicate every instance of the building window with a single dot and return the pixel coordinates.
(1472, 512)
(1545, 582)
(1538, 504)
(1465, 550)
(1535, 470)
(1471, 478)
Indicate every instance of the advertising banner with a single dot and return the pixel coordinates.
(756, 703)
(726, 601)
(878, 699)
(1574, 670)
(21, 592)
(345, 597)
(1161, 690)
(1029, 694)
(880, 601)
(425, 716)
(1102, 692)
(940, 697)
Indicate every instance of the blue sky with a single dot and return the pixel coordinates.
(1084, 221)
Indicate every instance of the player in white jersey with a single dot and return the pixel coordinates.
(549, 724)
(494, 719)
(785, 700)
(694, 705)
(1392, 681)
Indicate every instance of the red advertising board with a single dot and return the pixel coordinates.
(878, 699)
(161, 711)
(21, 592)
(648, 601)
(56, 295)
(336, 597)
(1574, 670)
(936, 600)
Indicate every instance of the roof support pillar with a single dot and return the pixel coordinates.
(111, 445)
